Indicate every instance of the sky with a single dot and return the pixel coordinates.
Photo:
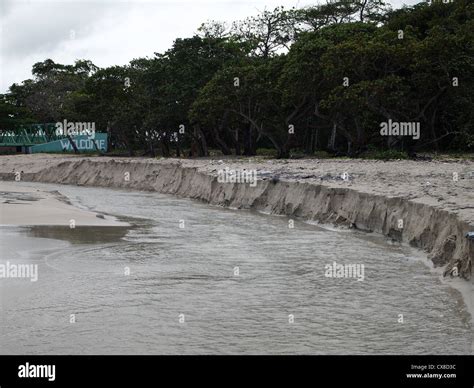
(109, 32)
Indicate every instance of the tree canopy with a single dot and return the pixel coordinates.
(295, 80)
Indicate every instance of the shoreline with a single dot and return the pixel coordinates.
(24, 205)
(414, 202)
(362, 300)
(328, 205)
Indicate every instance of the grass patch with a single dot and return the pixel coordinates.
(384, 155)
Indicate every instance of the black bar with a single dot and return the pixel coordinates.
(320, 371)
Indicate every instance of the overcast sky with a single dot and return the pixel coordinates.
(108, 32)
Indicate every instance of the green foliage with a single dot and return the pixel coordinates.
(270, 152)
(317, 81)
(384, 154)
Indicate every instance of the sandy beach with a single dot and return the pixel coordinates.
(23, 204)
(447, 185)
(427, 204)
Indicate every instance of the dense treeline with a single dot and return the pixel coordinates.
(299, 80)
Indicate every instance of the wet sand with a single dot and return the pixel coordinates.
(23, 204)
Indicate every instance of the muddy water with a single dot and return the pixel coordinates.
(222, 282)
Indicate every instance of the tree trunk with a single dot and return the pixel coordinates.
(433, 131)
(97, 148)
(73, 144)
(178, 150)
(332, 139)
(199, 144)
(237, 143)
(152, 149)
(222, 145)
(250, 146)
(314, 142)
(165, 148)
(283, 152)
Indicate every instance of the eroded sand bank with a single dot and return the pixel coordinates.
(434, 200)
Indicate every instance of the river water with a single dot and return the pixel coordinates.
(228, 282)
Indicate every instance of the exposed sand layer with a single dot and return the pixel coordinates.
(24, 205)
(434, 200)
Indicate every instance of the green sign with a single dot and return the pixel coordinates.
(83, 143)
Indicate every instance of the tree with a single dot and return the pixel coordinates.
(268, 33)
